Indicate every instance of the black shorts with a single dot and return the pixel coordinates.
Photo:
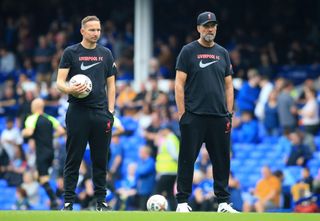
(44, 162)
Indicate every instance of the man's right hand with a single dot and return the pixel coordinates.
(180, 115)
(77, 89)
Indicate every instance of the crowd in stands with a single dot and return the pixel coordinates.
(275, 134)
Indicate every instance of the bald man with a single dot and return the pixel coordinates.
(41, 126)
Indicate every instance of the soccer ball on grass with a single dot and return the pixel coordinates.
(157, 203)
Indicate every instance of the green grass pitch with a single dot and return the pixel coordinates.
(150, 216)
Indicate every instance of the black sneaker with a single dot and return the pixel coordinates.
(103, 206)
(68, 207)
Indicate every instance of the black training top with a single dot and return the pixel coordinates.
(98, 64)
(206, 69)
(44, 126)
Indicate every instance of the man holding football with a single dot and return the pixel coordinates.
(88, 119)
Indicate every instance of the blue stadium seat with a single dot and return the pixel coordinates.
(2, 123)
(243, 147)
(241, 154)
(269, 140)
(235, 164)
(257, 154)
(264, 146)
(317, 142)
(253, 179)
(313, 163)
(251, 163)
(3, 183)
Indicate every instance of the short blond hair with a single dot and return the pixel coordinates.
(89, 18)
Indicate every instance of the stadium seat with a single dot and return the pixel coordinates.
(251, 163)
(243, 147)
(235, 164)
(241, 155)
(317, 142)
(269, 140)
(257, 154)
(3, 183)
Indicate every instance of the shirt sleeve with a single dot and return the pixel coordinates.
(66, 59)
(182, 61)
(229, 69)
(111, 66)
(54, 121)
(31, 121)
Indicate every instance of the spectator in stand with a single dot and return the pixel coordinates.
(11, 138)
(245, 129)
(139, 99)
(25, 107)
(52, 101)
(4, 161)
(203, 161)
(85, 186)
(167, 163)
(143, 116)
(286, 108)
(265, 68)
(22, 202)
(16, 168)
(307, 140)
(307, 178)
(126, 97)
(146, 176)
(31, 187)
(316, 183)
(300, 153)
(309, 113)
(154, 69)
(249, 92)
(153, 92)
(8, 102)
(127, 189)
(266, 194)
(235, 192)
(42, 58)
(25, 84)
(28, 68)
(204, 198)
(271, 119)
(7, 62)
(266, 88)
(115, 160)
(150, 133)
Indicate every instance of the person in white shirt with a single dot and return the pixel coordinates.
(11, 138)
(309, 113)
(266, 88)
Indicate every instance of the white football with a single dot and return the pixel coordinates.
(83, 79)
(157, 203)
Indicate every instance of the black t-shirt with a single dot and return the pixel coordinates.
(98, 64)
(44, 126)
(206, 69)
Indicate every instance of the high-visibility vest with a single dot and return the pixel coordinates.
(165, 163)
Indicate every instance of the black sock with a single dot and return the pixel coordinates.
(49, 191)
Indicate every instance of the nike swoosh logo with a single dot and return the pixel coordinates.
(204, 65)
(83, 67)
